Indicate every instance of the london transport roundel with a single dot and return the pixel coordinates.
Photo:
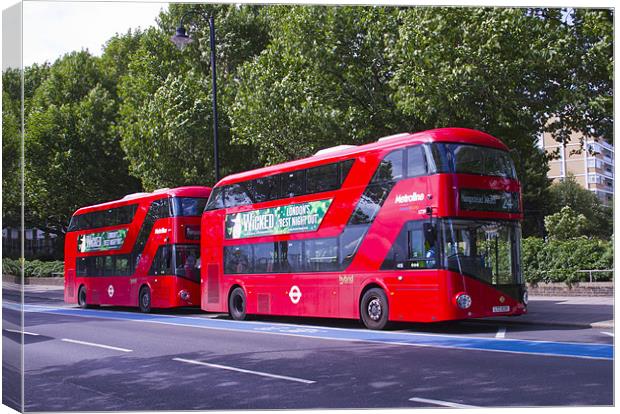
(295, 294)
(110, 291)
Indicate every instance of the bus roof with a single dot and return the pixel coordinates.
(188, 191)
(457, 135)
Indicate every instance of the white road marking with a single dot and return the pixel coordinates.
(501, 333)
(24, 332)
(97, 345)
(608, 333)
(246, 371)
(442, 403)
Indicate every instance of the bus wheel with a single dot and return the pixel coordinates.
(144, 299)
(374, 309)
(236, 304)
(82, 297)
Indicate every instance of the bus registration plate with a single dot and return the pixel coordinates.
(497, 309)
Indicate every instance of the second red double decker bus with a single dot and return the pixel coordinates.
(142, 250)
(415, 227)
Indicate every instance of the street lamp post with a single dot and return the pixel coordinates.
(181, 40)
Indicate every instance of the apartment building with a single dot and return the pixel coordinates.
(592, 165)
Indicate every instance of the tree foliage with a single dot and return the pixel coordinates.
(72, 152)
(568, 193)
(295, 79)
(566, 224)
(562, 260)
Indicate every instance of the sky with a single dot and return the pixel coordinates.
(54, 28)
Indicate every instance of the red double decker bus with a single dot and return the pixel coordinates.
(417, 227)
(142, 250)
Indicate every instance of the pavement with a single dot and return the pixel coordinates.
(569, 311)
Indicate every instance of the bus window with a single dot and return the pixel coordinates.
(186, 261)
(345, 167)
(371, 201)
(322, 178)
(162, 263)
(321, 254)
(390, 168)
(188, 206)
(472, 159)
(350, 240)
(467, 159)
(416, 161)
(122, 265)
(237, 259)
(236, 195)
(291, 256)
(108, 266)
(216, 200)
(264, 257)
(265, 189)
(294, 183)
(412, 249)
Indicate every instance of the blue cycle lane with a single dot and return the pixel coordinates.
(548, 348)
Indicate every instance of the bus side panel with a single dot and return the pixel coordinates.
(267, 293)
(318, 295)
(417, 297)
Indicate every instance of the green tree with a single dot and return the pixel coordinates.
(569, 193)
(166, 122)
(72, 152)
(566, 224)
(323, 80)
(584, 98)
(11, 157)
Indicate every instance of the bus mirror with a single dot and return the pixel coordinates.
(430, 233)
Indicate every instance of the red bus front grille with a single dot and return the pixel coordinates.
(213, 284)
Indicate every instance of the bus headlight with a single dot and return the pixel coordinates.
(525, 297)
(184, 295)
(463, 300)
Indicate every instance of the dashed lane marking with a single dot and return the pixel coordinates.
(441, 403)
(245, 371)
(24, 332)
(608, 334)
(73, 341)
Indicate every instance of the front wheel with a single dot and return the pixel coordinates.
(144, 299)
(82, 297)
(237, 304)
(374, 309)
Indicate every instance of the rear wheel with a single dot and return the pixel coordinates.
(237, 305)
(144, 299)
(374, 309)
(82, 297)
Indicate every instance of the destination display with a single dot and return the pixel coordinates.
(294, 218)
(489, 200)
(97, 242)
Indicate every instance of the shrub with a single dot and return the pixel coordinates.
(560, 260)
(32, 268)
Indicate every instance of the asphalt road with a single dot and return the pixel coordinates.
(119, 359)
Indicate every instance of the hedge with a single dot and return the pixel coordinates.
(551, 261)
(559, 260)
(32, 268)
